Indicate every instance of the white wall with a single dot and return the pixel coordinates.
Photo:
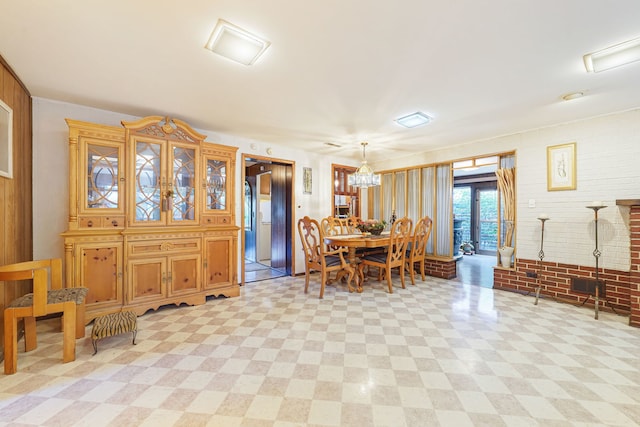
(51, 172)
(608, 152)
(608, 157)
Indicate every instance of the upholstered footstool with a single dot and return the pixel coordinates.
(113, 324)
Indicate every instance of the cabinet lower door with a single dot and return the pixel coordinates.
(99, 269)
(147, 279)
(218, 269)
(184, 275)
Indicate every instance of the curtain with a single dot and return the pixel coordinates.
(387, 194)
(375, 213)
(427, 208)
(401, 194)
(413, 195)
(444, 191)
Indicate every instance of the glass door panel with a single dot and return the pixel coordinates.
(476, 216)
(102, 177)
(183, 193)
(148, 186)
(216, 197)
(487, 207)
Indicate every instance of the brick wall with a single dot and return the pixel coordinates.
(445, 269)
(622, 287)
(634, 274)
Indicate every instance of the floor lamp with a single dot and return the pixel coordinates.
(596, 206)
(543, 218)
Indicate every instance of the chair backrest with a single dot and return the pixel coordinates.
(311, 237)
(332, 226)
(421, 234)
(350, 224)
(398, 240)
(46, 274)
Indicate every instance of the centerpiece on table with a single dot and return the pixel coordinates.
(372, 226)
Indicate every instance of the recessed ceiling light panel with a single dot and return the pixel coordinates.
(414, 120)
(613, 56)
(236, 44)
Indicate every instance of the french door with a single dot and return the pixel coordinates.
(477, 205)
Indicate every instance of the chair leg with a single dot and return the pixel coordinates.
(30, 336)
(412, 272)
(389, 280)
(10, 342)
(422, 269)
(69, 332)
(323, 279)
(80, 314)
(306, 279)
(402, 276)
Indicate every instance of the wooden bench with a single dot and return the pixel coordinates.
(113, 324)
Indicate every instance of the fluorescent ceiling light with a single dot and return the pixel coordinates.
(413, 120)
(236, 44)
(613, 56)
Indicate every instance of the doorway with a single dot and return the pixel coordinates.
(267, 219)
(476, 204)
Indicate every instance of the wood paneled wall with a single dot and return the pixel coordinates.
(16, 230)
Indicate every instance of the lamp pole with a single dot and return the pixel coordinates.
(596, 206)
(543, 218)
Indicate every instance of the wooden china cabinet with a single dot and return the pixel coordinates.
(151, 216)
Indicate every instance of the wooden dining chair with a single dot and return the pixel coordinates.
(418, 247)
(48, 297)
(317, 256)
(395, 254)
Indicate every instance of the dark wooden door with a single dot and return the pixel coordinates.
(281, 194)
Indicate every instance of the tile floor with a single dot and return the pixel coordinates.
(256, 272)
(442, 353)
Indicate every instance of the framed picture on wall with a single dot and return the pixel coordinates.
(6, 140)
(561, 167)
(306, 180)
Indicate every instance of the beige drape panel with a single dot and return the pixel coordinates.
(444, 195)
(375, 213)
(413, 195)
(428, 209)
(387, 194)
(401, 195)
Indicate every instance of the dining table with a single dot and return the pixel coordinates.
(353, 242)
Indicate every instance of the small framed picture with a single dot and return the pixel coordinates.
(561, 167)
(306, 180)
(6, 140)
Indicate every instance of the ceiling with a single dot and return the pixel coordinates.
(337, 71)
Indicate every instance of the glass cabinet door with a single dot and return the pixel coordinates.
(148, 186)
(216, 184)
(183, 191)
(103, 168)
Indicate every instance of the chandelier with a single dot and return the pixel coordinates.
(363, 176)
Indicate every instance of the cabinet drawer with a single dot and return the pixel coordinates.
(166, 246)
(216, 219)
(113, 222)
(90, 222)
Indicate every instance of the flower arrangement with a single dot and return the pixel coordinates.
(372, 226)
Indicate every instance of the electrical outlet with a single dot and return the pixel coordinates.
(532, 274)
